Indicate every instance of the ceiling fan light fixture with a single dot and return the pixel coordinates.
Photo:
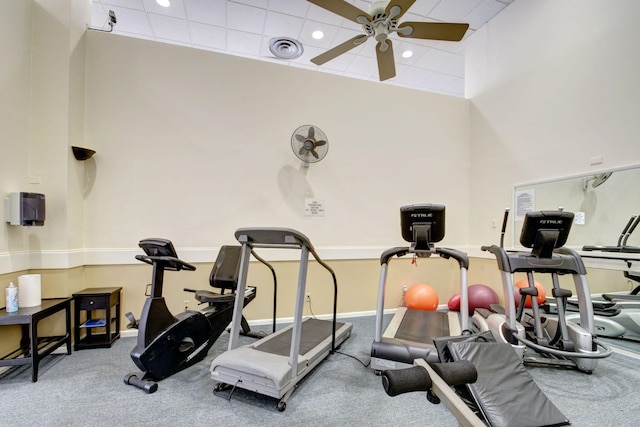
(285, 48)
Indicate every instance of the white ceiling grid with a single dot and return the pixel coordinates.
(245, 27)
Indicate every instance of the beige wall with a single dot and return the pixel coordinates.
(192, 145)
(552, 84)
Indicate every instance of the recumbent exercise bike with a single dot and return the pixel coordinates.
(168, 344)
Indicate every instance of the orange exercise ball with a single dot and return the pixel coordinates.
(524, 283)
(421, 297)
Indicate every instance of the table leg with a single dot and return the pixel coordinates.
(35, 360)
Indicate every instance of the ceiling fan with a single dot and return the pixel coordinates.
(379, 24)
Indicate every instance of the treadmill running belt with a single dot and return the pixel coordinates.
(422, 325)
(314, 331)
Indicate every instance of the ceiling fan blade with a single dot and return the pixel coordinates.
(342, 8)
(434, 30)
(339, 50)
(302, 151)
(300, 138)
(312, 133)
(314, 154)
(404, 5)
(386, 64)
(320, 143)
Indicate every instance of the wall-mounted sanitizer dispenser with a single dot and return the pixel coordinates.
(25, 209)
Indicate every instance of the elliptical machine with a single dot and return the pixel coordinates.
(561, 342)
(168, 344)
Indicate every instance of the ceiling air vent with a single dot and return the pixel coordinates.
(285, 48)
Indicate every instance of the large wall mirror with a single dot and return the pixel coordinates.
(605, 203)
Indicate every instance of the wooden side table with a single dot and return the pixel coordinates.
(33, 347)
(99, 331)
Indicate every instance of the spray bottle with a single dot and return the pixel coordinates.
(11, 296)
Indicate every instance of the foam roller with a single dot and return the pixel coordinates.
(417, 378)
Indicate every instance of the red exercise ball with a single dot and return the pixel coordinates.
(421, 297)
(524, 283)
(480, 296)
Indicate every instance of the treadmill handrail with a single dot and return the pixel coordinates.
(273, 237)
(401, 251)
(459, 256)
(390, 253)
(277, 237)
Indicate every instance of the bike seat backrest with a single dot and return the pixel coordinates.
(225, 271)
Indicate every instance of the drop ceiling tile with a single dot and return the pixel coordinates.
(212, 12)
(411, 75)
(168, 28)
(176, 10)
(245, 18)
(434, 59)
(309, 27)
(421, 8)
(280, 25)
(454, 87)
(255, 3)
(437, 81)
(316, 13)
(244, 27)
(363, 67)
(208, 36)
(297, 8)
(454, 67)
(129, 4)
(401, 46)
(483, 13)
(453, 11)
(243, 42)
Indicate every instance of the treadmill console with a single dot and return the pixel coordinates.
(422, 224)
(544, 231)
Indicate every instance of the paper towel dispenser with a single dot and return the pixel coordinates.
(25, 209)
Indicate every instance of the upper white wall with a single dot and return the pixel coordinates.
(192, 145)
(15, 74)
(553, 84)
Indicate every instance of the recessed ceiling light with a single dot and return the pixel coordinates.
(164, 3)
(407, 54)
(317, 35)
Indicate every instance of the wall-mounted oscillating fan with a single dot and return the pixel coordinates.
(309, 144)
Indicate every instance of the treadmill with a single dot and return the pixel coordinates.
(410, 333)
(274, 365)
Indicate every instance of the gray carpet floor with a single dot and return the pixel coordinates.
(86, 389)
